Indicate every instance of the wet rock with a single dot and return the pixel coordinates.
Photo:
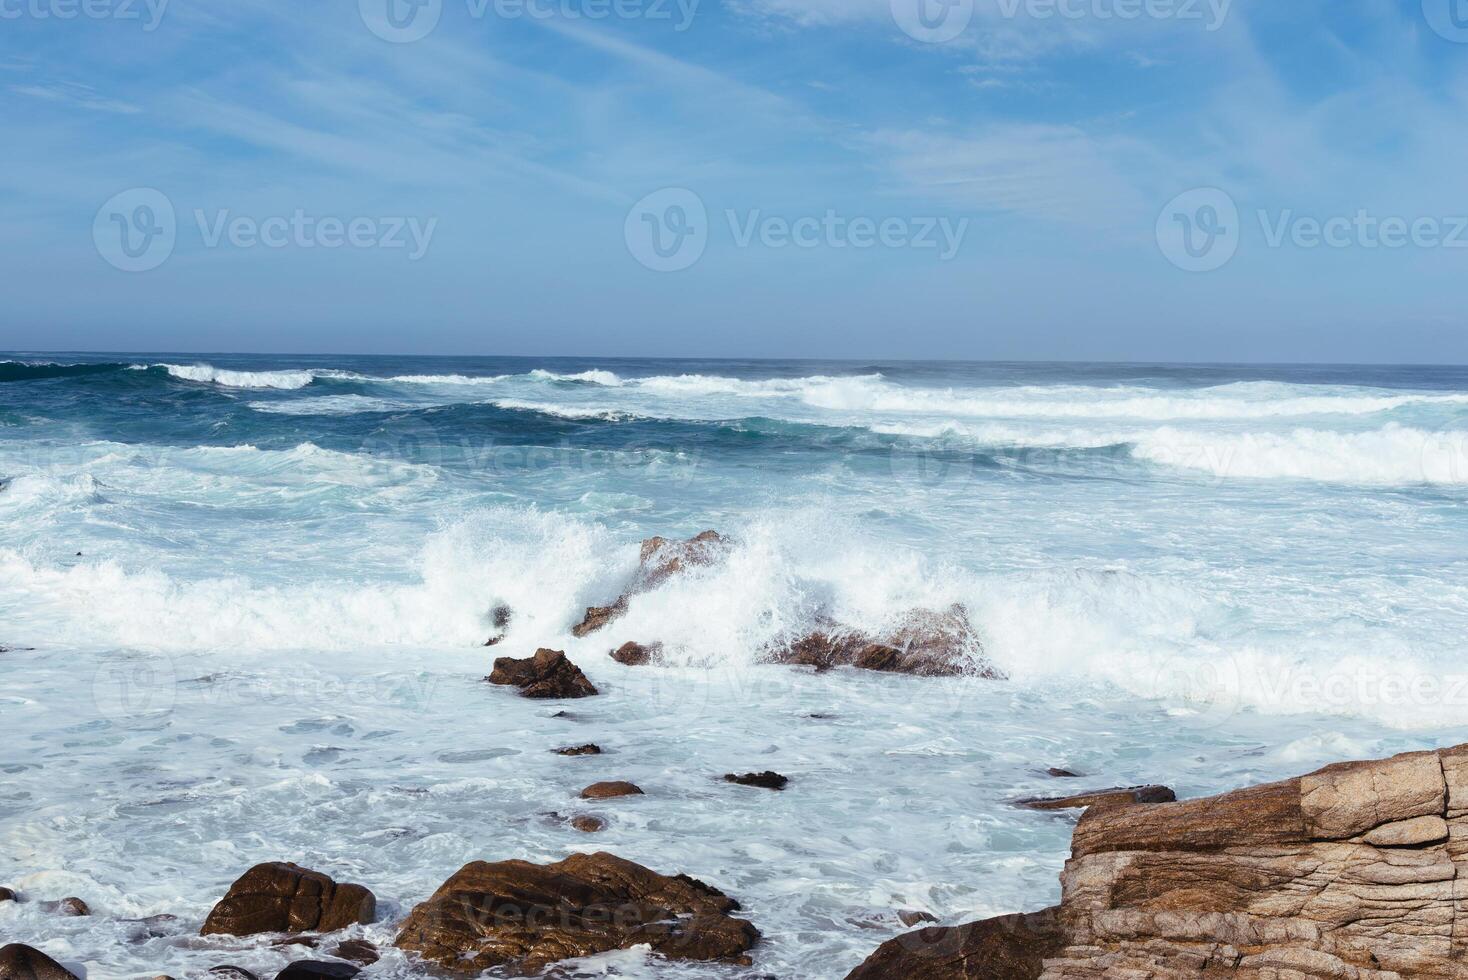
(588, 824)
(359, 951)
(310, 942)
(610, 791)
(1012, 947)
(153, 927)
(499, 618)
(760, 780)
(1062, 774)
(6, 895)
(547, 675)
(523, 916)
(21, 962)
(282, 897)
(660, 560)
(318, 970)
(1125, 796)
(923, 643)
(72, 906)
(911, 917)
(637, 655)
(228, 971)
(579, 750)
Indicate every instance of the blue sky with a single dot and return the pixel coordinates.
(530, 148)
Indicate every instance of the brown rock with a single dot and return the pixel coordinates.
(548, 674)
(357, 951)
(6, 895)
(318, 970)
(1102, 797)
(68, 906)
(637, 655)
(588, 824)
(609, 791)
(21, 962)
(1351, 873)
(281, 897)
(760, 780)
(1013, 947)
(661, 559)
(1062, 774)
(228, 971)
(911, 917)
(923, 643)
(524, 916)
(577, 750)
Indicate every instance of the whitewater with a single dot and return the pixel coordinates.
(245, 599)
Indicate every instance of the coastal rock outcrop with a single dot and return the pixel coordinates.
(1101, 797)
(611, 791)
(924, 642)
(283, 897)
(636, 654)
(1354, 872)
(547, 675)
(523, 917)
(21, 962)
(660, 559)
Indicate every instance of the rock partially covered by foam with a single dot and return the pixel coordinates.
(547, 675)
(283, 897)
(522, 917)
(1352, 872)
(660, 560)
(923, 642)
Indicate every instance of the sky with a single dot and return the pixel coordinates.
(1157, 180)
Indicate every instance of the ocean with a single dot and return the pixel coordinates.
(245, 600)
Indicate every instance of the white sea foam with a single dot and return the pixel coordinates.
(329, 405)
(604, 378)
(208, 374)
(563, 411)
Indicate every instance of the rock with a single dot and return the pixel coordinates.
(661, 559)
(499, 618)
(153, 927)
(578, 750)
(523, 916)
(311, 942)
(1013, 947)
(761, 780)
(637, 655)
(281, 897)
(318, 970)
(21, 962)
(359, 951)
(1101, 798)
(548, 674)
(923, 643)
(588, 824)
(72, 906)
(1351, 873)
(1062, 774)
(229, 971)
(609, 791)
(910, 917)
(6, 895)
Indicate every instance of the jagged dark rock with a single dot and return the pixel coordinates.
(659, 560)
(580, 750)
(760, 780)
(923, 643)
(547, 675)
(318, 970)
(637, 655)
(282, 897)
(1118, 796)
(358, 951)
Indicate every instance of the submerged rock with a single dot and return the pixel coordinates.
(1013, 947)
(1352, 872)
(228, 971)
(923, 643)
(760, 780)
(610, 791)
(1122, 796)
(72, 906)
(523, 916)
(637, 655)
(588, 824)
(660, 559)
(547, 675)
(282, 897)
(357, 950)
(21, 962)
(580, 750)
(318, 970)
